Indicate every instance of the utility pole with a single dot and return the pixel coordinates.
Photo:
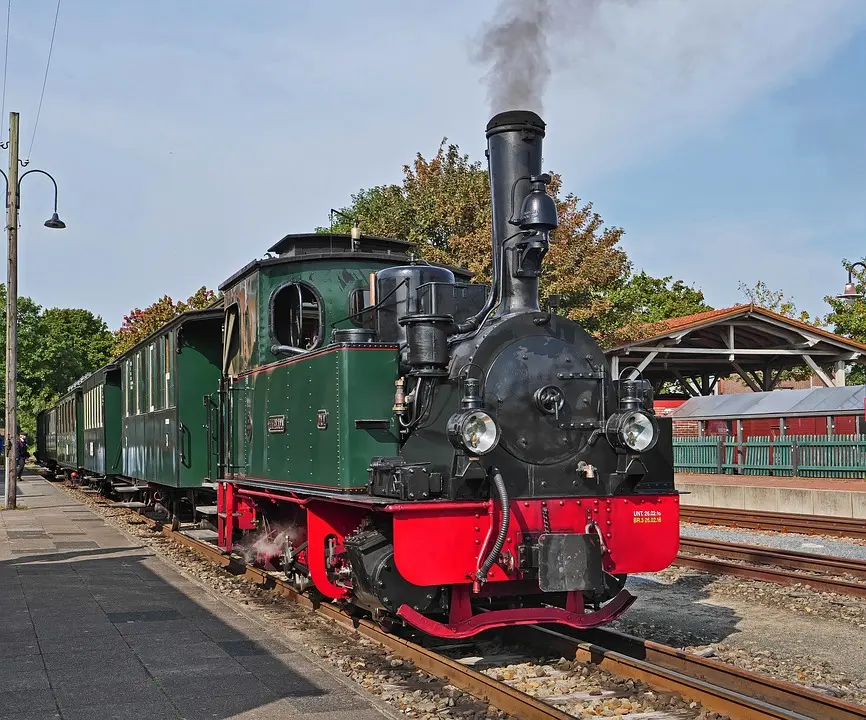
(12, 320)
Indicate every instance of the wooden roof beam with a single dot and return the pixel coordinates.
(825, 378)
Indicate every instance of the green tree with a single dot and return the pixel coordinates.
(848, 318)
(140, 323)
(55, 348)
(775, 300)
(644, 301)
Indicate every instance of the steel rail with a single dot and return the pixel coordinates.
(788, 559)
(779, 577)
(471, 681)
(476, 684)
(781, 522)
(722, 688)
(719, 687)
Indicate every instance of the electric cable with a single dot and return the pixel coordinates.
(5, 69)
(44, 82)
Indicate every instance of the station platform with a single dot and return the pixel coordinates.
(94, 625)
(838, 497)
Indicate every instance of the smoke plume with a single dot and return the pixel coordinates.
(519, 43)
(515, 46)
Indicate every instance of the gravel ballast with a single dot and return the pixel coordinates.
(576, 688)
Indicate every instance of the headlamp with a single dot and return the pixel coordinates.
(634, 430)
(473, 431)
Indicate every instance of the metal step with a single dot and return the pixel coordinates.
(203, 535)
(126, 489)
(134, 505)
(206, 509)
(209, 485)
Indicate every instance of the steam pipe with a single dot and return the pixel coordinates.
(499, 484)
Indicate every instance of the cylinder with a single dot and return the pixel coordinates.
(397, 291)
(427, 337)
(514, 144)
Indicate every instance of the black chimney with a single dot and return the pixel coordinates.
(523, 213)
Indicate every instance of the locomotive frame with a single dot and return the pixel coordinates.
(438, 453)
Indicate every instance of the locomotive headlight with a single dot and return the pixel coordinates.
(473, 431)
(636, 431)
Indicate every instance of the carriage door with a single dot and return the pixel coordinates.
(232, 411)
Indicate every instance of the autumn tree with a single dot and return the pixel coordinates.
(140, 323)
(443, 207)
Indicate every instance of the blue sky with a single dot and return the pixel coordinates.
(725, 136)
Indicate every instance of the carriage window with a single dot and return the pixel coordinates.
(130, 387)
(296, 317)
(231, 340)
(169, 370)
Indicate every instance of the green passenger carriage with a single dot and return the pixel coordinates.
(163, 380)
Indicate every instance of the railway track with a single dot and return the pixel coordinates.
(780, 522)
(720, 688)
(786, 567)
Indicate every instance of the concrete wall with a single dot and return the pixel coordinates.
(838, 503)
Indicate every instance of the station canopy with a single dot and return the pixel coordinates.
(746, 340)
(811, 402)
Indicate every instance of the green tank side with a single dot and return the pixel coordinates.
(296, 421)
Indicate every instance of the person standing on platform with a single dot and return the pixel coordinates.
(22, 453)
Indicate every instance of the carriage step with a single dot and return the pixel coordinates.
(206, 509)
(209, 485)
(204, 535)
(128, 504)
(127, 489)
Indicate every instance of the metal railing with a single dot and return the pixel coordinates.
(842, 456)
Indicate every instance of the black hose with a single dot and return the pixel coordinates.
(499, 484)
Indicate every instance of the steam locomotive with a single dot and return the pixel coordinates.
(433, 452)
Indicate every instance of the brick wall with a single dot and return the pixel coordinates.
(733, 385)
(686, 428)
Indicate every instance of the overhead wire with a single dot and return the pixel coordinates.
(5, 69)
(44, 82)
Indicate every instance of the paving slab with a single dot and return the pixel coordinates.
(92, 624)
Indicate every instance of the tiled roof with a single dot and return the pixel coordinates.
(688, 322)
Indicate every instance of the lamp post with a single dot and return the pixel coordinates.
(850, 294)
(13, 188)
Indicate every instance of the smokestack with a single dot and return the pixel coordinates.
(523, 213)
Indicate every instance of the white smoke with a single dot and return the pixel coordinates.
(270, 542)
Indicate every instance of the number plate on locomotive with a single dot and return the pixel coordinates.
(569, 562)
(277, 424)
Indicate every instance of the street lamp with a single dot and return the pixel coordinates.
(54, 222)
(13, 187)
(850, 293)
